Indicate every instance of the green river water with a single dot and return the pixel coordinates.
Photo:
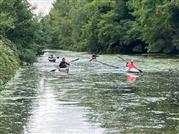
(93, 98)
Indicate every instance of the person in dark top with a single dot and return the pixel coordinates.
(52, 58)
(93, 57)
(63, 63)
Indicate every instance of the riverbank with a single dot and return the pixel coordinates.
(9, 62)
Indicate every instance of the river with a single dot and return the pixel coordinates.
(93, 98)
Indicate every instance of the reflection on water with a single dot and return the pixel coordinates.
(15, 101)
(93, 98)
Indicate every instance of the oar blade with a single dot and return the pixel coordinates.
(74, 60)
(107, 64)
(121, 58)
(53, 70)
(140, 71)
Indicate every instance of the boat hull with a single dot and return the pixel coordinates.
(133, 70)
(51, 60)
(65, 70)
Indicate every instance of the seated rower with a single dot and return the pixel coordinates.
(51, 58)
(63, 63)
(93, 57)
(131, 66)
(57, 60)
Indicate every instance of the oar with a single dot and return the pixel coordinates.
(122, 58)
(127, 61)
(74, 60)
(107, 64)
(139, 70)
(53, 70)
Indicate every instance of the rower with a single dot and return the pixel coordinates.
(57, 60)
(130, 65)
(93, 57)
(63, 63)
(52, 58)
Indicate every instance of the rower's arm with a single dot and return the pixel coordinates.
(127, 64)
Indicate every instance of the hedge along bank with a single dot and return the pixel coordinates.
(9, 62)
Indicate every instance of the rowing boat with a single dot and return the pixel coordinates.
(66, 70)
(52, 59)
(133, 70)
(63, 70)
(93, 60)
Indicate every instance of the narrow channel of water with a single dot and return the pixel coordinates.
(92, 98)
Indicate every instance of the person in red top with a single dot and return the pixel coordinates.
(63, 63)
(130, 65)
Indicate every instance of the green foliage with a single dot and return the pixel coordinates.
(27, 55)
(19, 36)
(8, 60)
(44, 33)
(19, 25)
(157, 22)
(109, 26)
(96, 26)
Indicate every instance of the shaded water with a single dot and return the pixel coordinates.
(92, 98)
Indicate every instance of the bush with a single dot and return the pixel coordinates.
(9, 62)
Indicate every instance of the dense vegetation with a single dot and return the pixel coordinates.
(100, 26)
(18, 36)
(115, 26)
(8, 60)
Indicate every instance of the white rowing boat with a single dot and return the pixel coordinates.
(66, 70)
(61, 70)
(51, 59)
(133, 70)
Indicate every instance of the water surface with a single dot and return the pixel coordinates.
(93, 98)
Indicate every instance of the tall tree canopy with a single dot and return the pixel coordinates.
(110, 26)
(157, 21)
(18, 36)
(19, 25)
